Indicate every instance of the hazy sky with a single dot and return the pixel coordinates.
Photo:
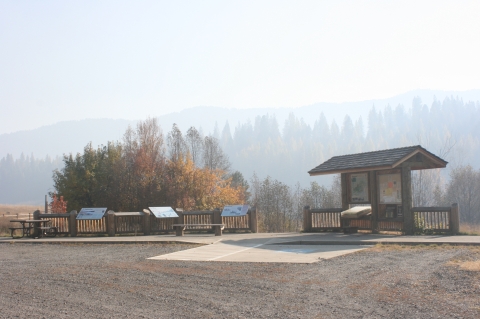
(63, 60)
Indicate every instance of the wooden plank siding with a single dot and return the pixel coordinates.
(426, 219)
(325, 218)
(434, 219)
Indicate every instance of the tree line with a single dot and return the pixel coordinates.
(298, 146)
(26, 179)
(189, 172)
(273, 156)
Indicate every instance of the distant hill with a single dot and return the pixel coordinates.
(71, 136)
(261, 142)
(63, 137)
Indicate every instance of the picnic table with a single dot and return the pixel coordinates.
(30, 224)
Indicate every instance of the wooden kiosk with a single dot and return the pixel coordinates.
(381, 179)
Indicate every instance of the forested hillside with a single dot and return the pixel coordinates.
(26, 180)
(286, 151)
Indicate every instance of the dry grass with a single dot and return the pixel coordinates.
(8, 212)
(394, 247)
(470, 229)
(470, 265)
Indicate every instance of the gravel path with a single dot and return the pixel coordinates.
(117, 281)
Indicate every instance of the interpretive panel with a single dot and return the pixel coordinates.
(235, 210)
(163, 212)
(390, 189)
(359, 188)
(91, 213)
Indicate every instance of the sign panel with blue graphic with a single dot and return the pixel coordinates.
(91, 213)
(163, 212)
(235, 210)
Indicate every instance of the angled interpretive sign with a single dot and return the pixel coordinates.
(92, 213)
(163, 212)
(235, 210)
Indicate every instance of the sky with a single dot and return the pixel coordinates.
(67, 60)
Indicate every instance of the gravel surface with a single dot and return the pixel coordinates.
(117, 281)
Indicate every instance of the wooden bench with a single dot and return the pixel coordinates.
(180, 228)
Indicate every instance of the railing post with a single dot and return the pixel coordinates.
(36, 216)
(111, 223)
(454, 219)
(72, 223)
(407, 204)
(217, 216)
(253, 220)
(46, 205)
(307, 219)
(146, 222)
(180, 220)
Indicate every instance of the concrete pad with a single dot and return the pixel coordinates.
(266, 252)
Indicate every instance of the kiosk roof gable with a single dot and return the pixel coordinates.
(419, 157)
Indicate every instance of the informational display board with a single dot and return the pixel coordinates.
(235, 210)
(91, 213)
(163, 212)
(390, 189)
(359, 188)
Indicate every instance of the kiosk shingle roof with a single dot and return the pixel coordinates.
(383, 159)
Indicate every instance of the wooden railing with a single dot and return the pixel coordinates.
(425, 220)
(238, 223)
(145, 223)
(387, 225)
(321, 219)
(436, 219)
(95, 226)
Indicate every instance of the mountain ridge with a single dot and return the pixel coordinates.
(71, 136)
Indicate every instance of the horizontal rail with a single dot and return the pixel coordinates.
(198, 213)
(431, 209)
(129, 214)
(54, 215)
(326, 210)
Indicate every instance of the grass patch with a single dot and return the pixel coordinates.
(395, 247)
(470, 265)
(9, 212)
(470, 229)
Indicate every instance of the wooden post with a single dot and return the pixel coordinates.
(343, 181)
(408, 224)
(307, 219)
(111, 223)
(454, 219)
(36, 216)
(253, 220)
(217, 216)
(180, 220)
(46, 205)
(372, 177)
(72, 223)
(146, 222)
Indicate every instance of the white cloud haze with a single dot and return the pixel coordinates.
(64, 60)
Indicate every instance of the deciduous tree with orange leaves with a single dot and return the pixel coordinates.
(137, 173)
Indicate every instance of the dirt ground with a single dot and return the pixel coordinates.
(117, 281)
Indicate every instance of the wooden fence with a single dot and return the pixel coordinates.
(425, 220)
(145, 223)
(436, 219)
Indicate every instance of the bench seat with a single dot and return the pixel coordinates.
(180, 228)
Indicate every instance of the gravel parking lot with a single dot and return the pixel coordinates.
(117, 281)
